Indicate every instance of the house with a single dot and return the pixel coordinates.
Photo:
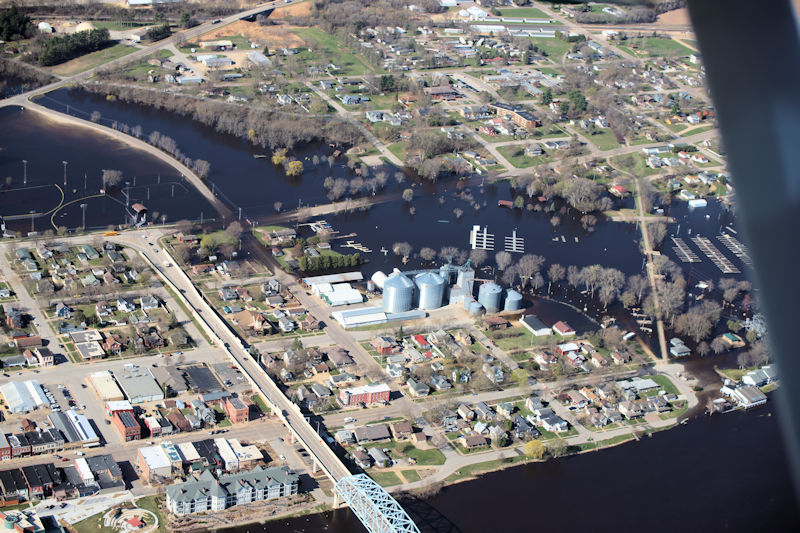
(577, 400)
(362, 459)
(63, 311)
(380, 457)
(535, 326)
(372, 433)
(285, 324)
(417, 388)
(440, 382)
(465, 412)
(567, 347)
(470, 442)
(385, 345)
(533, 403)
(732, 341)
(555, 423)
(505, 409)
(483, 411)
(749, 396)
(523, 429)
(148, 302)
(125, 305)
(227, 294)
(563, 329)
(402, 430)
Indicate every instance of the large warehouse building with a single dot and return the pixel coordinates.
(139, 385)
(23, 397)
(105, 387)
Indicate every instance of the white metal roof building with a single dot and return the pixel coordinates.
(83, 427)
(105, 387)
(344, 277)
(362, 316)
(118, 405)
(84, 471)
(227, 454)
(245, 454)
(23, 397)
(338, 294)
(139, 385)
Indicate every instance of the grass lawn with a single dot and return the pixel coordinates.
(385, 479)
(114, 25)
(656, 47)
(95, 59)
(518, 338)
(735, 374)
(424, 457)
(634, 163)
(93, 524)
(525, 12)
(349, 63)
(695, 131)
(478, 468)
(515, 154)
(398, 149)
(151, 504)
(604, 139)
(552, 47)
(665, 383)
(677, 127)
(411, 475)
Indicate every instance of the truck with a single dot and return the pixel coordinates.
(166, 263)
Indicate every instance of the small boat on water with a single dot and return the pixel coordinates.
(259, 156)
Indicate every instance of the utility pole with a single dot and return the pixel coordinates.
(24, 171)
(65, 173)
(83, 207)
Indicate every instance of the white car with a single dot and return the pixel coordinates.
(282, 457)
(80, 453)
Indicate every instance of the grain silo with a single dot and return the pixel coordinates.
(398, 293)
(513, 301)
(379, 278)
(475, 309)
(431, 290)
(489, 296)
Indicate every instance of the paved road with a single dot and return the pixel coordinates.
(26, 303)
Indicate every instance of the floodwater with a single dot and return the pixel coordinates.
(44, 144)
(723, 473)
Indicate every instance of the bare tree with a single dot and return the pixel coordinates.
(503, 260)
(529, 265)
(277, 206)
(478, 256)
(402, 249)
(555, 274)
(428, 254)
(448, 253)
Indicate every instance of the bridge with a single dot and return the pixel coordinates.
(377, 510)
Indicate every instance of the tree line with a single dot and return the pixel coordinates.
(33, 76)
(15, 25)
(55, 50)
(263, 127)
(328, 262)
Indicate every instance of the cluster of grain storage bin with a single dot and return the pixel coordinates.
(398, 293)
(431, 288)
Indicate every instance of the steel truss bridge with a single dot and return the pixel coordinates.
(376, 508)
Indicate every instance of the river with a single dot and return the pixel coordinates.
(723, 473)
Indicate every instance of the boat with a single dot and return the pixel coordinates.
(259, 156)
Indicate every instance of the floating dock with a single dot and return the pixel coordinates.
(684, 253)
(713, 253)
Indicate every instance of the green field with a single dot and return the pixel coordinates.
(424, 457)
(656, 47)
(398, 149)
(411, 475)
(525, 12)
(634, 163)
(516, 156)
(604, 139)
(95, 59)
(385, 479)
(552, 47)
(695, 131)
(323, 44)
(113, 25)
